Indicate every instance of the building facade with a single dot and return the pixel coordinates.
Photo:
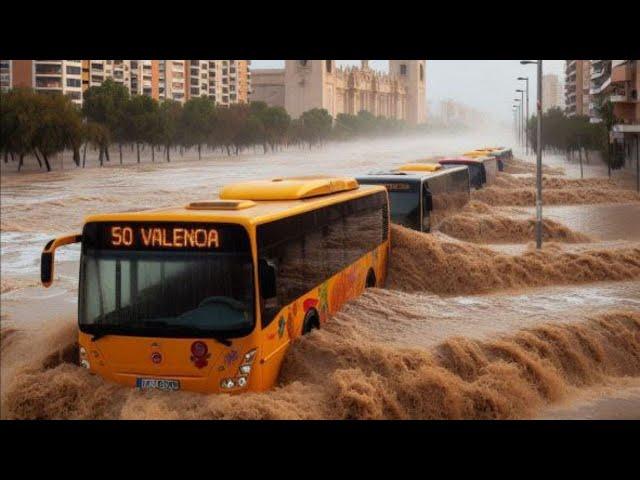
(224, 81)
(44, 76)
(306, 84)
(552, 92)
(577, 86)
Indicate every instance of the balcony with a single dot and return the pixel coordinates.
(627, 128)
(597, 89)
(597, 72)
(617, 63)
(48, 70)
(48, 83)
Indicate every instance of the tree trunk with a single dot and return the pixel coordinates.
(84, 155)
(199, 154)
(6, 157)
(20, 162)
(167, 149)
(101, 156)
(106, 154)
(153, 153)
(120, 148)
(76, 155)
(46, 162)
(35, 152)
(138, 150)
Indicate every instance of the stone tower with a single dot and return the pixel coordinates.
(309, 84)
(413, 75)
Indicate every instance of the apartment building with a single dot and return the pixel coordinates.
(224, 81)
(600, 87)
(623, 95)
(44, 76)
(577, 85)
(552, 93)
(5, 75)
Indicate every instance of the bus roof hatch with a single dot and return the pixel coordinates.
(419, 167)
(289, 188)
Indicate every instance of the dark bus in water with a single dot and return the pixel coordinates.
(501, 153)
(419, 198)
(482, 170)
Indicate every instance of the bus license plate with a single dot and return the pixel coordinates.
(157, 384)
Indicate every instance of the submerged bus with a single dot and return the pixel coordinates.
(501, 154)
(208, 297)
(482, 170)
(420, 195)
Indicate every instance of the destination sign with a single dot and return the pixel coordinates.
(166, 236)
(169, 237)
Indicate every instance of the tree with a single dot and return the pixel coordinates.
(198, 121)
(98, 136)
(276, 122)
(19, 122)
(57, 126)
(105, 104)
(137, 117)
(316, 125)
(169, 120)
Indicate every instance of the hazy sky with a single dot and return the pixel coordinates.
(488, 85)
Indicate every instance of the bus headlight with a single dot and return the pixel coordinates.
(250, 356)
(227, 383)
(83, 358)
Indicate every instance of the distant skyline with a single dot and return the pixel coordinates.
(487, 85)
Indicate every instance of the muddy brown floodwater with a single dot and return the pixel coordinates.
(473, 322)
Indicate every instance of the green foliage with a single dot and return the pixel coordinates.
(316, 126)
(45, 125)
(569, 134)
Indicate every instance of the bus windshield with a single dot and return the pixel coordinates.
(405, 207)
(477, 176)
(166, 294)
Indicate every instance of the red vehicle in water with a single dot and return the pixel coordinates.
(482, 170)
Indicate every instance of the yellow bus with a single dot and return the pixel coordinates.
(208, 297)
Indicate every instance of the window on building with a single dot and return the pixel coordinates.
(403, 69)
(73, 70)
(328, 64)
(421, 72)
(74, 82)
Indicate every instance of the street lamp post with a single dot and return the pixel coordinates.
(517, 100)
(526, 115)
(538, 152)
(524, 122)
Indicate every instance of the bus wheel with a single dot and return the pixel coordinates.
(371, 279)
(311, 321)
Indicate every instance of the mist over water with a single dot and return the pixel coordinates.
(473, 322)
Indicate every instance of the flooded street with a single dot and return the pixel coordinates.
(473, 323)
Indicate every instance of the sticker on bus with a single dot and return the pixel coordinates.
(157, 384)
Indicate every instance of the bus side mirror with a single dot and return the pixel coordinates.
(267, 275)
(48, 256)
